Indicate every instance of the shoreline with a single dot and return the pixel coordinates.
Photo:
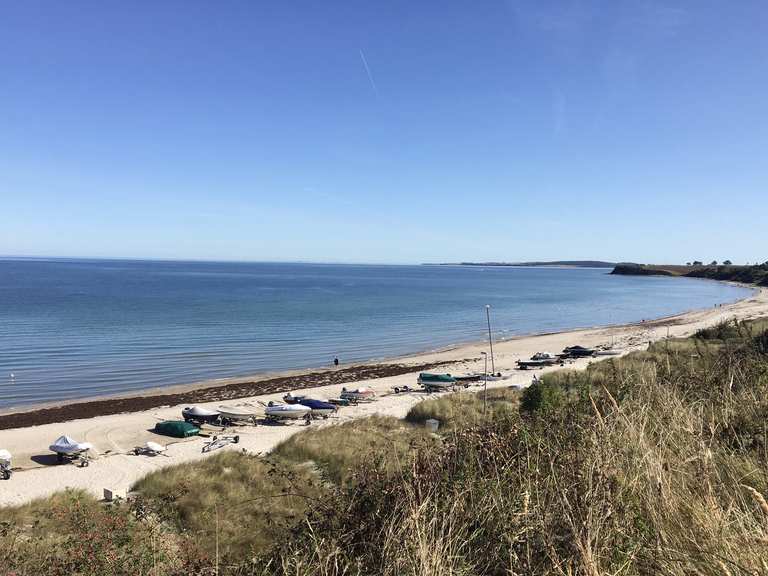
(114, 436)
(238, 387)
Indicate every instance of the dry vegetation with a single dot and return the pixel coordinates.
(651, 464)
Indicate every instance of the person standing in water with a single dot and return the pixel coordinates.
(336, 361)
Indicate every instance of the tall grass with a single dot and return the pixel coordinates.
(653, 463)
(338, 451)
(466, 409)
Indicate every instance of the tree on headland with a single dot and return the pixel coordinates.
(687, 263)
(713, 263)
(727, 262)
(698, 263)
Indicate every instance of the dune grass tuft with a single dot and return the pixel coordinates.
(339, 450)
(466, 408)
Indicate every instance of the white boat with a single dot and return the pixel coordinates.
(274, 411)
(68, 448)
(358, 394)
(200, 415)
(238, 413)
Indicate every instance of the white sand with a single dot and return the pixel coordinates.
(113, 436)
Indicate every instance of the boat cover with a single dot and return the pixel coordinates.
(273, 409)
(5, 457)
(155, 447)
(66, 445)
(176, 428)
(427, 377)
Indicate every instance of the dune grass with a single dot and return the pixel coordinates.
(466, 408)
(236, 502)
(650, 464)
(339, 450)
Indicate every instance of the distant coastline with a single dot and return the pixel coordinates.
(552, 264)
(755, 274)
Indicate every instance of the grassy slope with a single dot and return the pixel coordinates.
(757, 274)
(656, 463)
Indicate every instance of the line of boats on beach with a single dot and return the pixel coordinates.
(293, 408)
(544, 359)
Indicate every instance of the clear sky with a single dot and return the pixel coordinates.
(394, 131)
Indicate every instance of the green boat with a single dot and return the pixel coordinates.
(177, 428)
(437, 381)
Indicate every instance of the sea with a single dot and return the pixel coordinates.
(82, 328)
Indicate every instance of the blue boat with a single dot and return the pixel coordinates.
(318, 407)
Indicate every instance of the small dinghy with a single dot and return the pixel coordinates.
(232, 414)
(67, 448)
(358, 394)
(199, 415)
(319, 408)
(274, 411)
(5, 464)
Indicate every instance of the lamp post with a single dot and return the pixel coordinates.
(485, 381)
(490, 338)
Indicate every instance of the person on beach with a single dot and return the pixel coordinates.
(336, 361)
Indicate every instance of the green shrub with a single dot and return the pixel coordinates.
(541, 396)
(72, 533)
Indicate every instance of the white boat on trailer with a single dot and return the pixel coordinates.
(235, 414)
(67, 449)
(275, 411)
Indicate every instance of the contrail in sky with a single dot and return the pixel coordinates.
(368, 71)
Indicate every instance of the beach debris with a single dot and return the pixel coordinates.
(361, 394)
(5, 464)
(111, 495)
(151, 449)
(219, 442)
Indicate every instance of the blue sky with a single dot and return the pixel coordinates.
(385, 132)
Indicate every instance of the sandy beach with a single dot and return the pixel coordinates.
(115, 434)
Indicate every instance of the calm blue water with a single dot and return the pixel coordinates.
(74, 328)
